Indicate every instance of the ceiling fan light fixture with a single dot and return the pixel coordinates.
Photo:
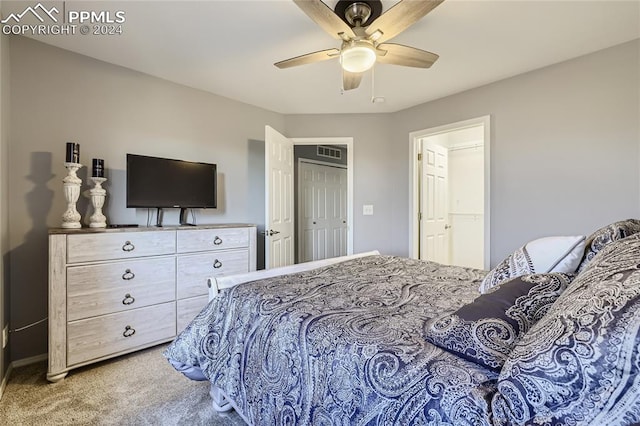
(357, 57)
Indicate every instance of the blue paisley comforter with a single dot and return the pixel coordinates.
(341, 345)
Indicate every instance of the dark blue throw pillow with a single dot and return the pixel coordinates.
(486, 330)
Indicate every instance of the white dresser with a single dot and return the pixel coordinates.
(114, 291)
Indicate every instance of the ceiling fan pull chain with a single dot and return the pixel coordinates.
(373, 84)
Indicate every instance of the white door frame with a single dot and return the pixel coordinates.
(348, 142)
(414, 171)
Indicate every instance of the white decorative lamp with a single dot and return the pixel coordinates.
(97, 195)
(71, 186)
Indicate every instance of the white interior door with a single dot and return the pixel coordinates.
(322, 211)
(279, 230)
(434, 235)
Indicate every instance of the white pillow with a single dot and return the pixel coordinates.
(549, 254)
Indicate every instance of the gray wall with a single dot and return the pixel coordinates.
(59, 96)
(564, 148)
(4, 196)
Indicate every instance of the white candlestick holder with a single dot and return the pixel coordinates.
(97, 195)
(71, 186)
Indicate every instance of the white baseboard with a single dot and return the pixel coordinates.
(16, 364)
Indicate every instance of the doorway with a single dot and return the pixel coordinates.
(321, 207)
(280, 197)
(332, 233)
(449, 211)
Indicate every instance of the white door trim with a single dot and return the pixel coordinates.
(414, 138)
(348, 142)
(321, 163)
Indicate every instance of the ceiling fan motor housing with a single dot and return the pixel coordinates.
(358, 13)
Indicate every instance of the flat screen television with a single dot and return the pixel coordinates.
(154, 182)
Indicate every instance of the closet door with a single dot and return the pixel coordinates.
(322, 211)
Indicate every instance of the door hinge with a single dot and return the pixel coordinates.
(420, 156)
(420, 216)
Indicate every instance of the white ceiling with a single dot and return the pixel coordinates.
(229, 47)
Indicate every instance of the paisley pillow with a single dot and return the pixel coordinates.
(549, 254)
(606, 235)
(486, 330)
(580, 364)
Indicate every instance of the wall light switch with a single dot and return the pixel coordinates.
(367, 210)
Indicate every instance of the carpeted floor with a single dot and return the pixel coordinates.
(136, 389)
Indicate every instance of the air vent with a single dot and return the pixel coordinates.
(327, 151)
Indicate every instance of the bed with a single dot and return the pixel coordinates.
(549, 336)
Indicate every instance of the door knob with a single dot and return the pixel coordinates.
(270, 232)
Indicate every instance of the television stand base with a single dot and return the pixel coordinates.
(159, 217)
(184, 217)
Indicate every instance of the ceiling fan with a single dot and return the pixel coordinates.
(364, 31)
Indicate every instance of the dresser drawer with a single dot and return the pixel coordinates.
(94, 290)
(119, 245)
(194, 270)
(93, 338)
(212, 239)
(188, 309)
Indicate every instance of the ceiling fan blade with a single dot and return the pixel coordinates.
(398, 18)
(351, 80)
(309, 58)
(399, 54)
(322, 15)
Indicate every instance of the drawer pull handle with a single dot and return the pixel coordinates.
(128, 275)
(128, 299)
(217, 264)
(217, 240)
(128, 246)
(129, 331)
